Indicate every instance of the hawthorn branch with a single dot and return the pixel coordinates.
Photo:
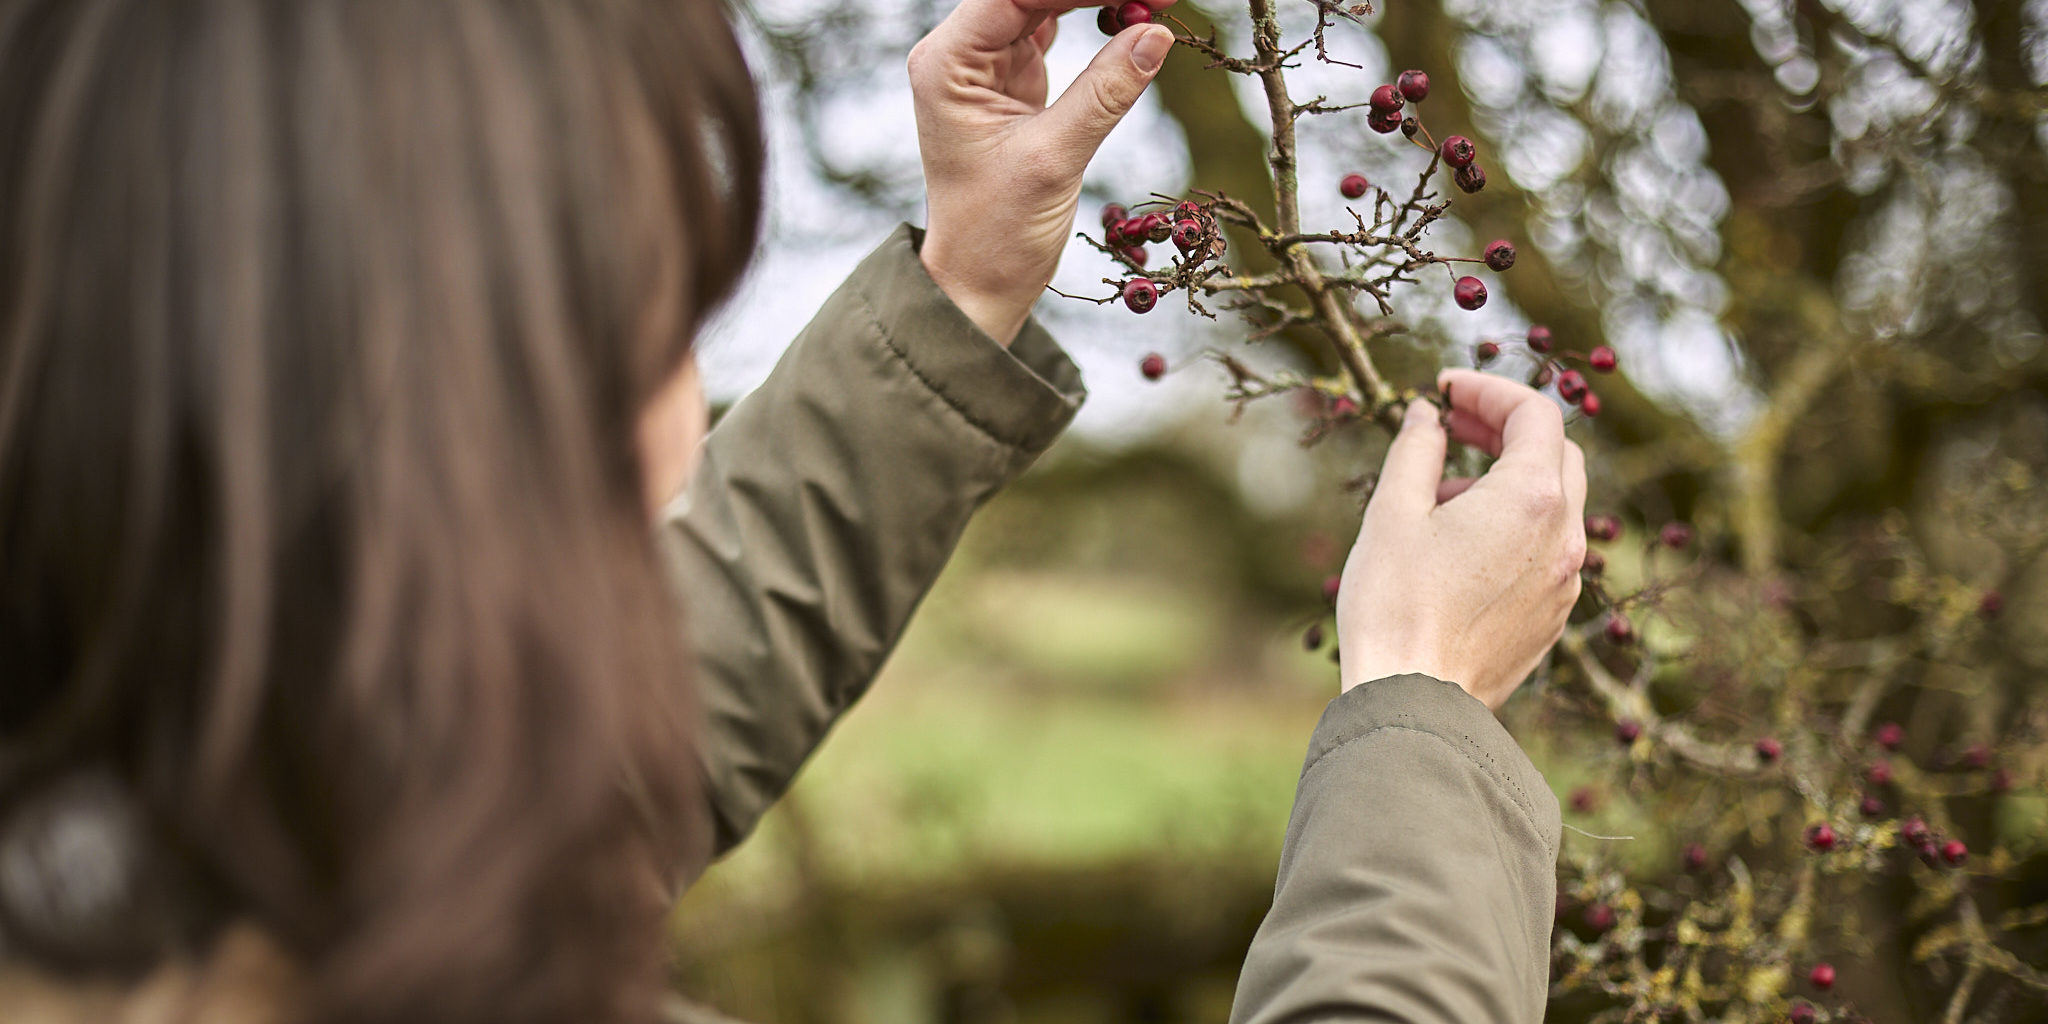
(1625, 701)
(1329, 306)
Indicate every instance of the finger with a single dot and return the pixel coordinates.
(1045, 34)
(985, 28)
(1025, 79)
(1414, 466)
(1103, 93)
(1468, 429)
(1452, 487)
(1531, 428)
(1575, 484)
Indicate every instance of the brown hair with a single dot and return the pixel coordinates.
(324, 330)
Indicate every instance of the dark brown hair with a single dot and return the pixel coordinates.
(325, 326)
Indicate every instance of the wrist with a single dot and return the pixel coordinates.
(998, 310)
(1371, 665)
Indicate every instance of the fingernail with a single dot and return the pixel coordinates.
(1150, 50)
(1419, 412)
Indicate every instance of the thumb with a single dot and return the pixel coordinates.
(1104, 92)
(1414, 466)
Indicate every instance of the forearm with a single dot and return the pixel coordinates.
(828, 501)
(1417, 882)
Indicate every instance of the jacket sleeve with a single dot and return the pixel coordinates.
(827, 501)
(1417, 882)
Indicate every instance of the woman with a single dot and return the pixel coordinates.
(345, 351)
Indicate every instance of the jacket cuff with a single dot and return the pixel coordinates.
(1022, 396)
(1446, 711)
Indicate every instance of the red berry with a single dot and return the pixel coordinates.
(1384, 121)
(1603, 528)
(1627, 731)
(1599, 918)
(1500, 254)
(1385, 98)
(1458, 151)
(1132, 228)
(1571, 386)
(1470, 292)
(1769, 750)
(1414, 86)
(1486, 353)
(1539, 339)
(1135, 253)
(1153, 366)
(1187, 236)
(1158, 227)
(1113, 213)
(1353, 186)
(1991, 604)
(1544, 375)
(1188, 209)
(1889, 735)
(1601, 359)
(1330, 586)
(1871, 807)
(1584, 799)
(1954, 852)
(1470, 178)
(1409, 126)
(1140, 295)
(1590, 405)
(1105, 19)
(1822, 976)
(1880, 773)
(1820, 837)
(1802, 1013)
(1313, 639)
(1133, 13)
(1594, 563)
(1620, 630)
(1675, 535)
(1344, 408)
(1914, 832)
(1695, 858)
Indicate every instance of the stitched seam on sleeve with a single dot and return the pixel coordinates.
(889, 342)
(1515, 793)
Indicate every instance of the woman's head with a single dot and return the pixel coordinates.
(328, 334)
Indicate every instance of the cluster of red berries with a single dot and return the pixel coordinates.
(1411, 87)
(1934, 848)
(1458, 153)
(1572, 385)
(1114, 18)
(1128, 234)
(1190, 226)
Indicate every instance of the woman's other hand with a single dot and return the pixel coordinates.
(1468, 581)
(1002, 169)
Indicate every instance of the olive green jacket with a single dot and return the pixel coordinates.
(1416, 882)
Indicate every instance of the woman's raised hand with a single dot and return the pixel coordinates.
(1002, 169)
(1467, 580)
